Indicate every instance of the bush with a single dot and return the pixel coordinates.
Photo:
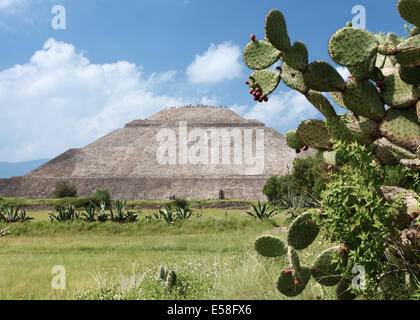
(103, 196)
(84, 203)
(277, 187)
(309, 178)
(180, 203)
(63, 189)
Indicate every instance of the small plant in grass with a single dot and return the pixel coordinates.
(4, 232)
(169, 277)
(102, 215)
(262, 211)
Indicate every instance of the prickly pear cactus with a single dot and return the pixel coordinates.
(382, 96)
(385, 110)
(294, 279)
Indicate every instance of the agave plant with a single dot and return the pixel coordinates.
(102, 215)
(183, 213)
(121, 215)
(261, 211)
(293, 202)
(64, 214)
(89, 215)
(10, 213)
(166, 214)
(119, 207)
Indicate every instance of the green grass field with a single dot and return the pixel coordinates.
(213, 256)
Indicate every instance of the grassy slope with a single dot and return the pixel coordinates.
(213, 253)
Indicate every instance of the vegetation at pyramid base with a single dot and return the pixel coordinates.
(380, 130)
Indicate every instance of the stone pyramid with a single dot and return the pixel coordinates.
(190, 152)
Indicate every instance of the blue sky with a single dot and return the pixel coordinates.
(121, 60)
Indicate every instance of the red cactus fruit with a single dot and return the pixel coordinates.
(296, 283)
(380, 84)
(247, 83)
(297, 150)
(278, 68)
(253, 37)
(305, 148)
(265, 98)
(330, 167)
(255, 98)
(287, 271)
(351, 77)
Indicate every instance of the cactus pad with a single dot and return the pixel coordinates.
(343, 290)
(266, 80)
(410, 11)
(363, 70)
(270, 246)
(364, 130)
(276, 30)
(321, 103)
(389, 153)
(363, 99)
(321, 76)
(314, 134)
(302, 231)
(286, 282)
(325, 267)
(410, 76)
(411, 163)
(293, 78)
(408, 52)
(401, 127)
(297, 56)
(259, 55)
(398, 94)
(352, 46)
(293, 141)
(338, 99)
(294, 261)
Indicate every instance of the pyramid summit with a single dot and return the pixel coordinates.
(192, 152)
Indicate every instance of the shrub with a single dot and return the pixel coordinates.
(308, 178)
(276, 187)
(103, 196)
(180, 203)
(63, 189)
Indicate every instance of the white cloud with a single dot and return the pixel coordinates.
(220, 62)
(8, 4)
(60, 100)
(284, 111)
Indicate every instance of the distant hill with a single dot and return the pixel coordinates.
(8, 169)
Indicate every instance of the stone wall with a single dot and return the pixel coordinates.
(143, 188)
